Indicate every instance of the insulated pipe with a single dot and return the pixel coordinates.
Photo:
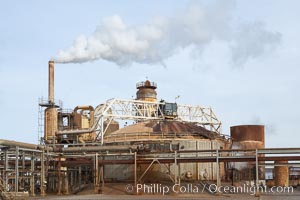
(51, 82)
(11, 143)
(83, 108)
(23, 145)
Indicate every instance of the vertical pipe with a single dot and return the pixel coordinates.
(32, 176)
(218, 168)
(135, 173)
(42, 174)
(102, 178)
(59, 176)
(23, 170)
(6, 169)
(256, 172)
(197, 164)
(79, 175)
(17, 170)
(175, 162)
(72, 175)
(66, 181)
(211, 164)
(102, 130)
(51, 82)
(96, 173)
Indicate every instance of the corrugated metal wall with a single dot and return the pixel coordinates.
(163, 172)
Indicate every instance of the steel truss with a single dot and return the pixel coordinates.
(145, 110)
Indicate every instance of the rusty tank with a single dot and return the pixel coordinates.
(281, 173)
(166, 136)
(248, 137)
(146, 91)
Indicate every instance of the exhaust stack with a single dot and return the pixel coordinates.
(51, 82)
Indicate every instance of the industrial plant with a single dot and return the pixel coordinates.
(139, 141)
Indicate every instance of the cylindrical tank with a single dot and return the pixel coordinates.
(248, 137)
(50, 124)
(166, 136)
(249, 133)
(146, 91)
(281, 174)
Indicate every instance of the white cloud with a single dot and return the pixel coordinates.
(151, 43)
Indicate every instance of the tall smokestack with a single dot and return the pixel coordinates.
(51, 82)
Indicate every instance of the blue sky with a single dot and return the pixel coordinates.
(260, 90)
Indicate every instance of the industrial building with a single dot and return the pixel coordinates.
(90, 145)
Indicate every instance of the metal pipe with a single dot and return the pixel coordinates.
(42, 164)
(135, 171)
(95, 148)
(256, 174)
(74, 132)
(96, 184)
(91, 108)
(218, 169)
(32, 176)
(11, 143)
(17, 170)
(51, 82)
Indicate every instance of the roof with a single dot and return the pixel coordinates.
(168, 127)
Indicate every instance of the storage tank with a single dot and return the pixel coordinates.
(166, 136)
(281, 174)
(248, 137)
(146, 91)
(50, 125)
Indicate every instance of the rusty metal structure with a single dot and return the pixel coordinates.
(86, 147)
(247, 137)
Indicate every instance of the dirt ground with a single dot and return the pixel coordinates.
(118, 191)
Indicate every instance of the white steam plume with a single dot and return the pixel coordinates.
(153, 42)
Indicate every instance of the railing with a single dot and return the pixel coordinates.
(141, 136)
(151, 84)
